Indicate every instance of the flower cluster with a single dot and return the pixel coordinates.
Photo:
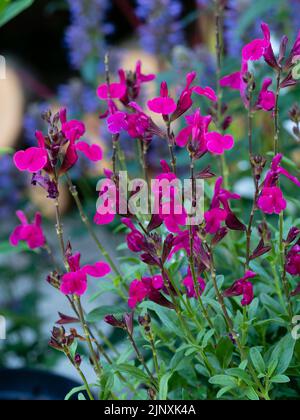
(57, 152)
(75, 281)
(271, 198)
(254, 51)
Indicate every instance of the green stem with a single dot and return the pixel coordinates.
(82, 376)
(282, 253)
(219, 53)
(84, 325)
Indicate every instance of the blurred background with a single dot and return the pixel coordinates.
(54, 52)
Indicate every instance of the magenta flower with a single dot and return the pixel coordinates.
(32, 233)
(150, 288)
(220, 210)
(292, 265)
(113, 91)
(32, 159)
(242, 287)
(195, 132)
(266, 98)
(133, 82)
(236, 81)
(73, 130)
(258, 47)
(188, 283)
(185, 101)
(117, 122)
(163, 104)
(93, 152)
(137, 293)
(217, 144)
(214, 219)
(57, 151)
(271, 200)
(135, 239)
(208, 92)
(75, 282)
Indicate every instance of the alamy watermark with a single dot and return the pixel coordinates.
(2, 328)
(165, 196)
(2, 68)
(296, 329)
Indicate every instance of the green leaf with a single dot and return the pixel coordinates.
(272, 304)
(73, 349)
(224, 351)
(223, 380)
(223, 391)
(283, 353)
(81, 397)
(98, 314)
(134, 371)
(280, 379)
(13, 9)
(252, 395)
(163, 386)
(240, 374)
(207, 337)
(75, 391)
(257, 360)
(167, 317)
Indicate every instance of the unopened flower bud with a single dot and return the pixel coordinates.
(77, 360)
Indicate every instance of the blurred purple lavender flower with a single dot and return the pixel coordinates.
(294, 6)
(199, 59)
(32, 121)
(85, 37)
(233, 42)
(78, 98)
(11, 186)
(162, 29)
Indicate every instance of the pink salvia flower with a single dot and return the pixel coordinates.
(271, 200)
(195, 131)
(208, 92)
(137, 293)
(75, 282)
(258, 47)
(266, 98)
(113, 91)
(163, 104)
(148, 287)
(33, 159)
(293, 261)
(92, 152)
(188, 283)
(31, 233)
(214, 219)
(135, 239)
(117, 122)
(242, 287)
(73, 129)
(217, 144)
